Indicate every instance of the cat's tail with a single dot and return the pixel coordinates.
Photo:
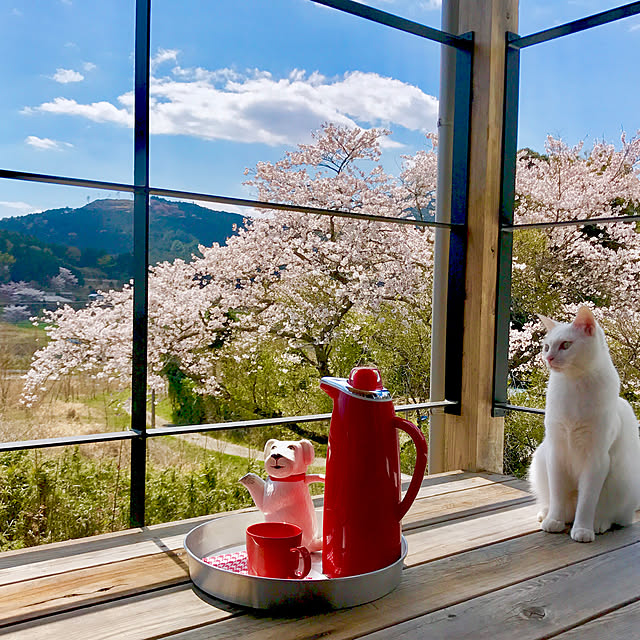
(539, 481)
(628, 454)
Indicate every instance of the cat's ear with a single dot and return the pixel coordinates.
(547, 322)
(585, 321)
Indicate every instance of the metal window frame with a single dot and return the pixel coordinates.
(514, 44)
(142, 191)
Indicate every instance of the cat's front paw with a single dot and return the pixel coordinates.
(600, 526)
(580, 534)
(542, 514)
(552, 526)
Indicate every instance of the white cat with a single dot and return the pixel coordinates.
(586, 471)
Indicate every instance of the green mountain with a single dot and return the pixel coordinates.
(95, 244)
(175, 228)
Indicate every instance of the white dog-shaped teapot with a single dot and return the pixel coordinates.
(284, 496)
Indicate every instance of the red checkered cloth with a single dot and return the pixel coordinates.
(236, 562)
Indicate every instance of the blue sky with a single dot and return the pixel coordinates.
(240, 81)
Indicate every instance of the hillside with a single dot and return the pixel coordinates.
(175, 228)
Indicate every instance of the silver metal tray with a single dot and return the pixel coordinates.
(227, 534)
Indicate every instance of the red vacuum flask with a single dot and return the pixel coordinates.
(362, 499)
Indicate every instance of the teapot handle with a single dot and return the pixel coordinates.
(421, 463)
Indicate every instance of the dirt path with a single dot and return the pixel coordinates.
(230, 448)
(222, 446)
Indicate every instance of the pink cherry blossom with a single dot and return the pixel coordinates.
(556, 269)
(302, 280)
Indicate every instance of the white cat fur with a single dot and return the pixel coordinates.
(586, 471)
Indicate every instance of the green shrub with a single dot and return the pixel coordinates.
(211, 488)
(523, 432)
(46, 498)
(49, 497)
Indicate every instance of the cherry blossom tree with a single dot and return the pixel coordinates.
(15, 313)
(556, 269)
(21, 292)
(295, 292)
(297, 288)
(64, 280)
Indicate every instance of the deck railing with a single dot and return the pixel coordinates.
(515, 44)
(142, 191)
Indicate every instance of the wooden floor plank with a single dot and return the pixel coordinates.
(44, 596)
(445, 539)
(137, 618)
(78, 554)
(101, 583)
(424, 588)
(469, 490)
(468, 502)
(452, 481)
(622, 623)
(431, 587)
(537, 608)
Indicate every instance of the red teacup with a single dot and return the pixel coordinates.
(274, 551)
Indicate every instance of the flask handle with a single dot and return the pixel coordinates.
(421, 463)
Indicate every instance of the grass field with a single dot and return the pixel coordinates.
(59, 493)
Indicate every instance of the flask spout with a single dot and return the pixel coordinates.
(329, 389)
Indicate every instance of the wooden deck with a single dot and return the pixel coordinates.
(477, 567)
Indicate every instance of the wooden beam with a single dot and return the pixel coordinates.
(474, 440)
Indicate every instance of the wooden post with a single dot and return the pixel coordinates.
(474, 440)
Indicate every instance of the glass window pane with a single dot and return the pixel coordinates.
(246, 330)
(66, 108)
(66, 319)
(577, 98)
(226, 93)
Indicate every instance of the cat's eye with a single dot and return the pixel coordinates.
(545, 348)
(565, 345)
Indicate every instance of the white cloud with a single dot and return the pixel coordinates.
(18, 206)
(88, 66)
(379, 100)
(386, 142)
(96, 111)
(635, 27)
(8, 209)
(257, 107)
(64, 76)
(46, 144)
(163, 55)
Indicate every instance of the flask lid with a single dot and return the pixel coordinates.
(363, 382)
(365, 379)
